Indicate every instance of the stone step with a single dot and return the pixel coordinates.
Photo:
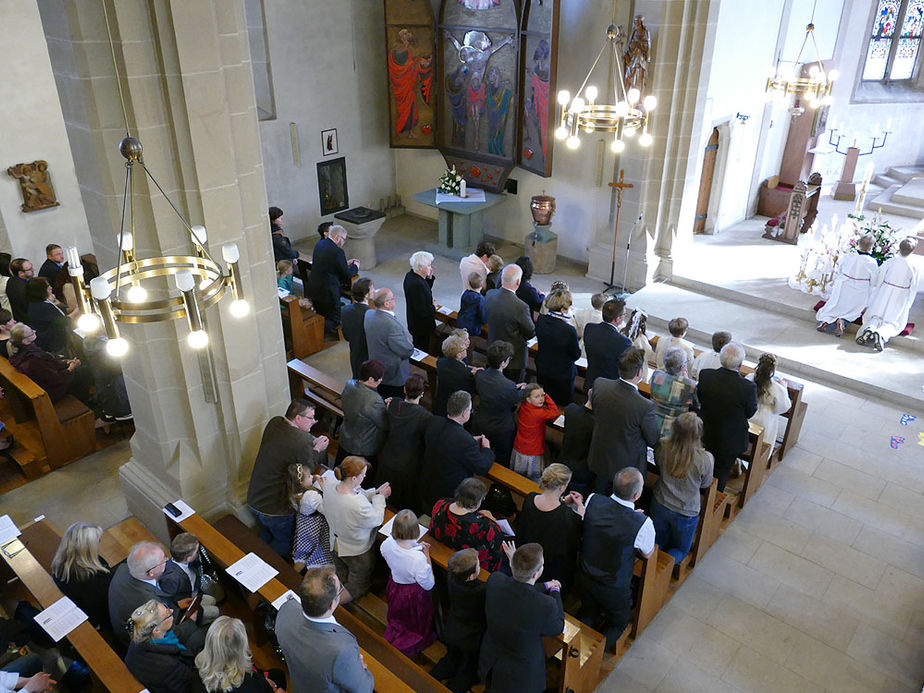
(885, 202)
(802, 352)
(905, 173)
(911, 193)
(885, 181)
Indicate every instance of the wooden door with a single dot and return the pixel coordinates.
(705, 183)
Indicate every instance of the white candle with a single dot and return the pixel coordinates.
(462, 191)
(889, 125)
(868, 176)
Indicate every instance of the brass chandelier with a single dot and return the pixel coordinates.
(626, 115)
(787, 78)
(120, 295)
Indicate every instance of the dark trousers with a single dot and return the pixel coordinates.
(674, 531)
(724, 462)
(604, 598)
(459, 667)
(501, 444)
(277, 531)
(421, 340)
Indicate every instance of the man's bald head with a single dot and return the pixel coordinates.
(511, 276)
(382, 297)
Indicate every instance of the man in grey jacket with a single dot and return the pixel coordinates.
(321, 654)
(389, 342)
(365, 420)
(509, 320)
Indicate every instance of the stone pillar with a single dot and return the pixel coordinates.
(663, 171)
(189, 97)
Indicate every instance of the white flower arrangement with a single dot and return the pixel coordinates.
(450, 182)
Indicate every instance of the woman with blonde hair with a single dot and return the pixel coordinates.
(82, 574)
(558, 348)
(686, 467)
(552, 519)
(226, 663)
(156, 657)
(353, 514)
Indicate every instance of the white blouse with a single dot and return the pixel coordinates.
(311, 502)
(353, 518)
(407, 565)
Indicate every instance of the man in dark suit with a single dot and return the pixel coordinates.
(519, 613)
(613, 532)
(134, 583)
(604, 343)
(321, 654)
(451, 454)
(624, 422)
(388, 341)
(46, 318)
(575, 444)
(352, 326)
(182, 577)
(452, 373)
(53, 263)
(509, 320)
(498, 397)
(329, 271)
(726, 401)
(418, 299)
(21, 271)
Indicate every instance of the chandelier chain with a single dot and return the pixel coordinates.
(115, 67)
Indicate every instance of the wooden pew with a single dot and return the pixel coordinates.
(50, 434)
(303, 328)
(105, 664)
(393, 672)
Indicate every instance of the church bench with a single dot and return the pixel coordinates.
(302, 327)
(228, 541)
(52, 434)
(105, 664)
(579, 648)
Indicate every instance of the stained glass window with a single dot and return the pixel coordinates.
(892, 52)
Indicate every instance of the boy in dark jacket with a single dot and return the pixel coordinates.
(471, 310)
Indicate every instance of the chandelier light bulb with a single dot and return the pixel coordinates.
(573, 142)
(633, 95)
(230, 252)
(618, 146)
(197, 339)
(827, 100)
(814, 103)
(650, 102)
(136, 294)
(199, 234)
(561, 132)
(117, 347)
(645, 139)
(591, 93)
(185, 280)
(833, 75)
(629, 132)
(577, 105)
(99, 288)
(88, 323)
(563, 97)
(622, 109)
(126, 242)
(813, 71)
(239, 308)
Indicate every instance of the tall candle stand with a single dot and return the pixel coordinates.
(845, 188)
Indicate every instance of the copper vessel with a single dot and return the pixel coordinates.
(542, 208)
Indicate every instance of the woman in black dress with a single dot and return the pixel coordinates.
(400, 458)
(452, 373)
(82, 574)
(558, 349)
(418, 297)
(553, 520)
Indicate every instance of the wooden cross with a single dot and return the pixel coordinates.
(620, 185)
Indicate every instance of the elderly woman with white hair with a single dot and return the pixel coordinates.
(226, 663)
(418, 298)
(672, 389)
(156, 657)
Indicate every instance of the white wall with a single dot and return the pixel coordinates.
(328, 67)
(32, 128)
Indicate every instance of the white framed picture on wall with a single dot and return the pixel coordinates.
(329, 142)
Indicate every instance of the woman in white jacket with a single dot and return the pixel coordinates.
(353, 515)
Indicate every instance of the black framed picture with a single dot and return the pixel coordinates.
(332, 186)
(329, 142)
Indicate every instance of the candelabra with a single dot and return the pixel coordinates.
(836, 137)
(845, 189)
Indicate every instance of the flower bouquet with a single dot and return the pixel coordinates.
(450, 182)
(885, 242)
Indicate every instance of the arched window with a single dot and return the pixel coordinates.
(895, 41)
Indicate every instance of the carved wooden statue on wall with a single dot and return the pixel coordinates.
(637, 56)
(538, 67)
(37, 192)
(480, 86)
(411, 70)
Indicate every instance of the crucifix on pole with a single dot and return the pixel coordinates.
(620, 185)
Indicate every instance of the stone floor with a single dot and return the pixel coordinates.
(818, 585)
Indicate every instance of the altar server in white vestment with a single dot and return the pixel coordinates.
(896, 288)
(853, 284)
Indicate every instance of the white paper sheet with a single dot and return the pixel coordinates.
(506, 528)
(289, 594)
(581, 362)
(560, 421)
(185, 511)
(8, 530)
(385, 530)
(419, 355)
(282, 292)
(60, 618)
(252, 571)
(445, 310)
(532, 342)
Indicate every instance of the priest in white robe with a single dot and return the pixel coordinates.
(895, 291)
(856, 274)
